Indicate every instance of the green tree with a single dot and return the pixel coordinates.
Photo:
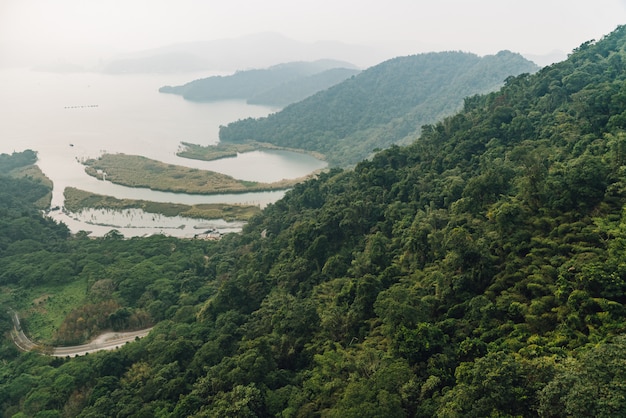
(592, 384)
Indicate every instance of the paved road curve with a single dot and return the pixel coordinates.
(19, 338)
(107, 341)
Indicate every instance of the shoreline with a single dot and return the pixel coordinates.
(77, 200)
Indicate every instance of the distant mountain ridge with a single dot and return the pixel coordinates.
(382, 105)
(259, 50)
(278, 85)
(256, 50)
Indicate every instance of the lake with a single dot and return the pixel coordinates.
(69, 117)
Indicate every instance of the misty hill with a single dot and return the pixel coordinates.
(259, 50)
(277, 85)
(300, 88)
(383, 105)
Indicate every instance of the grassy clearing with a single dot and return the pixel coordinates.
(226, 150)
(138, 171)
(44, 308)
(76, 199)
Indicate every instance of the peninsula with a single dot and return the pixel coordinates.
(138, 171)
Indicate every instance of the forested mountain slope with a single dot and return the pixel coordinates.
(278, 85)
(298, 89)
(20, 198)
(385, 104)
(478, 272)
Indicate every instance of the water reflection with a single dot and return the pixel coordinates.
(137, 223)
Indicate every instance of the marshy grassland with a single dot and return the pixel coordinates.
(76, 199)
(213, 152)
(227, 150)
(138, 171)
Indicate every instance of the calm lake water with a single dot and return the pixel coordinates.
(70, 117)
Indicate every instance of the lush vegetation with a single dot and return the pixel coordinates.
(68, 288)
(138, 171)
(478, 272)
(383, 105)
(76, 200)
(21, 165)
(17, 160)
(274, 86)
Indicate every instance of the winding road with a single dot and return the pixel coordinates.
(106, 341)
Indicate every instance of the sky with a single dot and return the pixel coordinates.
(478, 26)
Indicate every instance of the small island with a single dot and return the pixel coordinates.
(228, 150)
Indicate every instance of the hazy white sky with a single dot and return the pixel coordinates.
(479, 26)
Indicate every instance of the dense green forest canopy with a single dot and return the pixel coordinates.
(10, 162)
(384, 105)
(478, 272)
(278, 85)
(20, 165)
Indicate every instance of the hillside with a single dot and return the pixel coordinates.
(383, 105)
(479, 271)
(274, 86)
(300, 88)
